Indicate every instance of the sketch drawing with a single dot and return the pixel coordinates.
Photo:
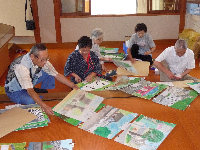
(78, 105)
(176, 97)
(108, 121)
(52, 145)
(145, 133)
(195, 86)
(126, 65)
(144, 89)
(97, 84)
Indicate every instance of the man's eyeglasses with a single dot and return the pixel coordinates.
(44, 59)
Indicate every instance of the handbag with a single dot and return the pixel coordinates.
(30, 24)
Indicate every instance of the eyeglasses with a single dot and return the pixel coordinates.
(44, 59)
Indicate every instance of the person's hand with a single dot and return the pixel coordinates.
(178, 77)
(147, 53)
(133, 60)
(48, 110)
(75, 87)
(88, 78)
(77, 79)
(170, 75)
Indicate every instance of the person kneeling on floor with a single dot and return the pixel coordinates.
(29, 70)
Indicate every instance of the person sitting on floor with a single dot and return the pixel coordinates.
(29, 70)
(141, 45)
(97, 38)
(176, 62)
(82, 64)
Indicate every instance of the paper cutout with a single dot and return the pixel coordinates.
(54, 145)
(176, 97)
(144, 89)
(108, 50)
(195, 86)
(142, 68)
(108, 121)
(97, 84)
(13, 119)
(125, 65)
(145, 133)
(78, 105)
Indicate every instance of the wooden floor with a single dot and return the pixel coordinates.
(185, 135)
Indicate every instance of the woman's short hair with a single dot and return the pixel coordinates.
(84, 42)
(181, 44)
(96, 33)
(36, 48)
(140, 27)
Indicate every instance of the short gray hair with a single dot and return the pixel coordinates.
(181, 44)
(96, 33)
(36, 48)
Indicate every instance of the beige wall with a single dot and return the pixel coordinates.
(12, 12)
(115, 28)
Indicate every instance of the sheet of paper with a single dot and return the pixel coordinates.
(145, 133)
(108, 121)
(79, 105)
(13, 119)
(176, 97)
(142, 68)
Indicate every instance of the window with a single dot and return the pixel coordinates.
(118, 7)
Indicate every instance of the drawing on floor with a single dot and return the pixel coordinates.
(125, 65)
(12, 146)
(108, 50)
(72, 121)
(117, 56)
(52, 145)
(42, 119)
(195, 86)
(176, 97)
(144, 89)
(78, 105)
(108, 122)
(122, 81)
(97, 84)
(145, 133)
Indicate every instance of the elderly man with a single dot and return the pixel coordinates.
(28, 70)
(176, 62)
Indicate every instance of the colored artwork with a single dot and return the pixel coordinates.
(195, 86)
(108, 50)
(52, 145)
(72, 121)
(97, 84)
(145, 133)
(78, 105)
(117, 56)
(176, 97)
(108, 122)
(122, 82)
(41, 120)
(144, 89)
(125, 65)
(12, 146)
